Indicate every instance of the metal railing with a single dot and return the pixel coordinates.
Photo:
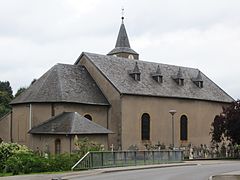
(103, 159)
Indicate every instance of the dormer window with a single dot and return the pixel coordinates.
(180, 82)
(179, 78)
(135, 73)
(200, 84)
(198, 80)
(157, 76)
(136, 77)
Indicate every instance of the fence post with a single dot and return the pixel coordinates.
(168, 156)
(114, 158)
(125, 158)
(102, 158)
(135, 157)
(144, 157)
(91, 158)
(153, 156)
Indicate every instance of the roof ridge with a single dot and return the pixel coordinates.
(124, 85)
(73, 121)
(49, 72)
(60, 83)
(122, 39)
(140, 61)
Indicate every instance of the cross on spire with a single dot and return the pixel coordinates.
(122, 47)
(122, 14)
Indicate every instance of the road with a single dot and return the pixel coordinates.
(197, 172)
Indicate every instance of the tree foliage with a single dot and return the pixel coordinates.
(9, 149)
(227, 124)
(5, 97)
(19, 91)
(5, 87)
(16, 159)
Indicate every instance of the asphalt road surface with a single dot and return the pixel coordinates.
(197, 172)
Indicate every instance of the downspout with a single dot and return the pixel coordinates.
(30, 116)
(70, 147)
(108, 111)
(11, 136)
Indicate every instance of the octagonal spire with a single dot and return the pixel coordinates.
(122, 47)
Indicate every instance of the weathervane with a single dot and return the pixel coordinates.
(122, 14)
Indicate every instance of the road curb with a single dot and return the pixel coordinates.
(121, 169)
(225, 177)
(151, 167)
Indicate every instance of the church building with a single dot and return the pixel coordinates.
(116, 100)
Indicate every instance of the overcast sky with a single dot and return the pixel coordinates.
(204, 34)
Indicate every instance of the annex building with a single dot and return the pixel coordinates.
(114, 99)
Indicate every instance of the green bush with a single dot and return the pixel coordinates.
(9, 149)
(18, 159)
(26, 163)
(62, 162)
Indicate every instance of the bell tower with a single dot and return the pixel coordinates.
(122, 47)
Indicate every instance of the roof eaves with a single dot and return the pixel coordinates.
(220, 88)
(45, 122)
(73, 133)
(48, 101)
(174, 97)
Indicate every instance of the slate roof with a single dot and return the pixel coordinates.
(69, 123)
(122, 44)
(64, 83)
(116, 69)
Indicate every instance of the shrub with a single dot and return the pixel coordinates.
(9, 149)
(26, 163)
(84, 145)
(18, 159)
(62, 162)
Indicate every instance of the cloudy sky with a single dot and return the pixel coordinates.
(204, 34)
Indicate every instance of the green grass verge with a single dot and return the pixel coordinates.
(54, 172)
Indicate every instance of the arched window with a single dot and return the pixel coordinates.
(183, 128)
(145, 126)
(89, 117)
(57, 146)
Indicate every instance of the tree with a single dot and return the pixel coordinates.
(227, 124)
(5, 87)
(217, 129)
(5, 97)
(19, 91)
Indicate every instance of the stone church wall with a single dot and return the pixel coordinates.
(26, 116)
(5, 133)
(98, 113)
(200, 115)
(113, 97)
(46, 143)
(20, 123)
